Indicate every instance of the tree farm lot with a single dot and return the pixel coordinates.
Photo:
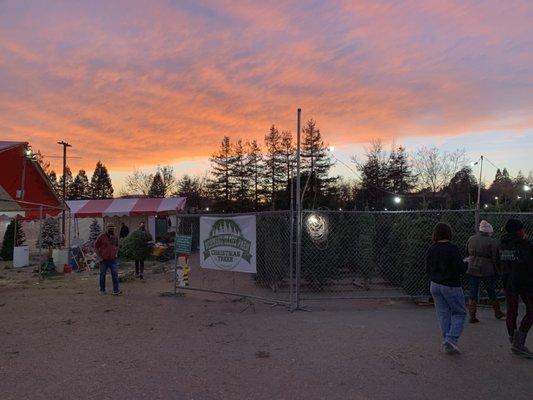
(60, 339)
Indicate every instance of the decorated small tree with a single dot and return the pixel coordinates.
(50, 236)
(94, 230)
(11, 240)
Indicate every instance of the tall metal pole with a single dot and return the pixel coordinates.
(64, 184)
(291, 236)
(478, 208)
(298, 213)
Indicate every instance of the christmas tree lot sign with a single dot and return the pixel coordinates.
(228, 243)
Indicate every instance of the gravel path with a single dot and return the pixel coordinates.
(61, 340)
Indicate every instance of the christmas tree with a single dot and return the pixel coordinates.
(50, 236)
(94, 230)
(10, 241)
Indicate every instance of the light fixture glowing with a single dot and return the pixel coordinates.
(527, 188)
(397, 199)
(495, 197)
(518, 197)
(207, 209)
(486, 206)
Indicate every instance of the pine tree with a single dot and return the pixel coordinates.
(94, 230)
(374, 177)
(274, 173)
(80, 188)
(52, 177)
(49, 236)
(462, 189)
(316, 161)
(222, 185)
(168, 179)
(190, 187)
(399, 175)
(10, 241)
(157, 189)
(254, 167)
(101, 187)
(240, 174)
(68, 182)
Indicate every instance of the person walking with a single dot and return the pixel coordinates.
(445, 267)
(124, 231)
(516, 258)
(141, 250)
(106, 247)
(484, 260)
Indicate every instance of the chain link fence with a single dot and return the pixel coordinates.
(273, 278)
(343, 254)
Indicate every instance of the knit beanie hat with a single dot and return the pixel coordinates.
(485, 227)
(513, 225)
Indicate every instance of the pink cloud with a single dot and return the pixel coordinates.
(138, 83)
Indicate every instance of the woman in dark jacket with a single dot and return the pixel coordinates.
(483, 264)
(445, 266)
(516, 260)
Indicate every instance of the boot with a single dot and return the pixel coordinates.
(498, 314)
(472, 309)
(518, 347)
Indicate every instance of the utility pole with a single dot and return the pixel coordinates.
(64, 184)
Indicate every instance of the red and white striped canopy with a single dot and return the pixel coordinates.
(125, 207)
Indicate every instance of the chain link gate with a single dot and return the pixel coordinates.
(272, 282)
(344, 254)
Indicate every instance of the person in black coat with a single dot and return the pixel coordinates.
(124, 231)
(516, 261)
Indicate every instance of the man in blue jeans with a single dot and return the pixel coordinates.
(106, 247)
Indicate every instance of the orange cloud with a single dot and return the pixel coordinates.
(147, 83)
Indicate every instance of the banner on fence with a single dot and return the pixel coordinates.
(228, 243)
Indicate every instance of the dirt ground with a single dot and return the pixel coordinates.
(60, 339)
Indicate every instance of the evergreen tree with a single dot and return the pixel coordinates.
(288, 154)
(191, 188)
(503, 187)
(462, 189)
(240, 174)
(520, 180)
(52, 177)
(167, 176)
(80, 188)
(254, 167)
(11, 240)
(157, 189)
(399, 175)
(222, 185)
(374, 177)
(101, 187)
(316, 161)
(274, 172)
(68, 182)
(94, 230)
(49, 236)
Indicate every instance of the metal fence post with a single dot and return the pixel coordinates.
(298, 214)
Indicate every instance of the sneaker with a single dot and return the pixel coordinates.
(117, 293)
(141, 277)
(102, 292)
(451, 348)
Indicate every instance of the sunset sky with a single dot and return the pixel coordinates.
(141, 83)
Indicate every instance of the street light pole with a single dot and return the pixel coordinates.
(64, 184)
